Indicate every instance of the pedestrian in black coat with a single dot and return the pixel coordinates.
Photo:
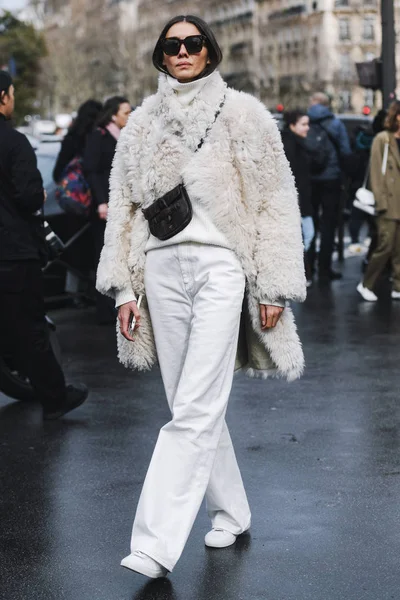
(98, 157)
(73, 145)
(24, 336)
(297, 124)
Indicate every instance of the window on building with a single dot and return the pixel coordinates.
(346, 67)
(369, 28)
(344, 29)
(369, 98)
(340, 3)
(344, 100)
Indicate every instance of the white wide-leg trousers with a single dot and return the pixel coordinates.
(195, 295)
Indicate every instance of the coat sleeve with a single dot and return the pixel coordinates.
(113, 275)
(26, 177)
(378, 181)
(269, 183)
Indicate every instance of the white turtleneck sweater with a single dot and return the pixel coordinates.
(201, 229)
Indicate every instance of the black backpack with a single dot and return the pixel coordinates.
(319, 146)
(319, 143)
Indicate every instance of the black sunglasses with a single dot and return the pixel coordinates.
(193, 44)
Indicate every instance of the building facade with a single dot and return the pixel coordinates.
(279, 50)
(314, 45)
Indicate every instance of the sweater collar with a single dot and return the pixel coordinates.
(189, 121)
(186, 92)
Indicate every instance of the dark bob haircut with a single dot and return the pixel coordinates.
(214, 51)
(291, 117)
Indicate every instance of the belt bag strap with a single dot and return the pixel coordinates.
(203, 139)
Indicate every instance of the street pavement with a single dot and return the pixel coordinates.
(319, 457)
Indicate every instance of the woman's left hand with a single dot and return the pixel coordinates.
(270, 315)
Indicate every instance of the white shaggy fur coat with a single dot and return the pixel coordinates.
(242, 178)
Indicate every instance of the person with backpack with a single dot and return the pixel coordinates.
(74, 143)
(297, 125)
(73, 193)
(98, 158)
(385, 183)
(24, 334)
(329, 143)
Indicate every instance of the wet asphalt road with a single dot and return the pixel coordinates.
(320, 459)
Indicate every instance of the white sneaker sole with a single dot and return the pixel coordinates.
(221, 544)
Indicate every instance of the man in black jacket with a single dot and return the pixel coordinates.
(23, 329)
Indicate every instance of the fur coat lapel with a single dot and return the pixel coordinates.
(242, 178)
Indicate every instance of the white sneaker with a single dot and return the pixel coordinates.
(395, 295)
(219, 538)
(367, 294)
(143, 564)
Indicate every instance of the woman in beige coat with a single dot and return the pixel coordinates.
(385, 183)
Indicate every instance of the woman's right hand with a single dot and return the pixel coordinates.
(124, 316)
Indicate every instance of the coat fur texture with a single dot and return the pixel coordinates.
(242, 178)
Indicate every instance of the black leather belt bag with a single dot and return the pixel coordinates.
(170, 214)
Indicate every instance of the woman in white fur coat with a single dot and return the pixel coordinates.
(245, 234)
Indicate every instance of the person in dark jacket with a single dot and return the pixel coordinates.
(326, 186)
(297, 125)
(98, 157)
(23, 329)
(73, 145)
